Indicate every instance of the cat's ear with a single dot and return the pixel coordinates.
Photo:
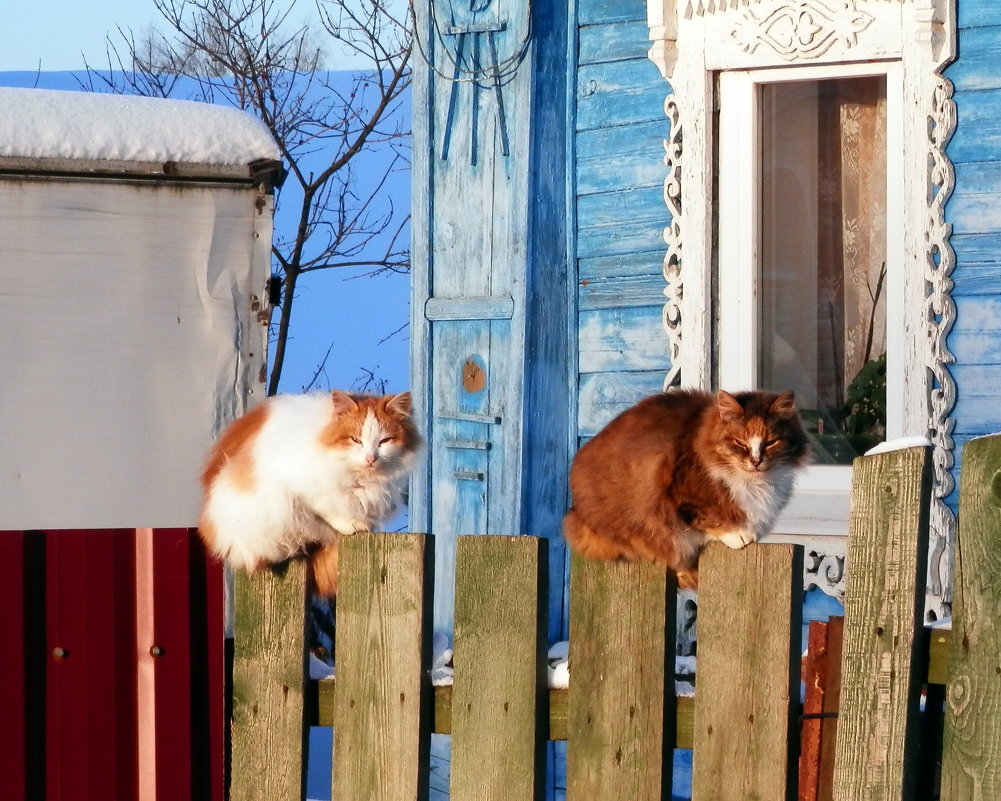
(729, 407)
(343, 403)
(784, 406)
(400, 404)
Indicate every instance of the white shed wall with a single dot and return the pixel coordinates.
(130, 335)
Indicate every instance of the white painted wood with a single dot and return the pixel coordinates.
(901, 347)
(764, 34)
(739, 193)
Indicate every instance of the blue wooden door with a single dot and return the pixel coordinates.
(476, 250)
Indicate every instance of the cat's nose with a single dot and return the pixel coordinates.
(371, 458)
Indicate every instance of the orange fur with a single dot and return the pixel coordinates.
(232, 448)
(325, 563)
(648, 486)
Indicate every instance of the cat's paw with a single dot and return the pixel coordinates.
(355, 525)
(348, 525)
(738, 539)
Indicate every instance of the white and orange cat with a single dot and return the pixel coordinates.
(297, 471)
(682, 468)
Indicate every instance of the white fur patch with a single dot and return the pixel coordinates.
(304, 492)
(762, 495)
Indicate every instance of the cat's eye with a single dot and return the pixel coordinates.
(356, 441)
(768, 444)
(385, 440)
(739, 444)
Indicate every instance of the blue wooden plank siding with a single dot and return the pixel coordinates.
(619, 174)
(974, 211)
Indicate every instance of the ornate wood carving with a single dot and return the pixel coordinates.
(826, 572)
(940, 316)
(800, 29)
(674, 290)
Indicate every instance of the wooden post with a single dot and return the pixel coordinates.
(971, 756)
(882, 665)
(616, 746)
(499, 716)
(268, 680)
(750, 604)
(382, 706)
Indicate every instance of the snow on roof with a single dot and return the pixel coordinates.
(47, 123)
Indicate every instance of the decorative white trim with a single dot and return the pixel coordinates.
(825, 571)
(939, 318)
(800, 29)
(692, 40)
(674, 289)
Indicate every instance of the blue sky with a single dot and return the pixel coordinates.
(346, 312)
(56, 32)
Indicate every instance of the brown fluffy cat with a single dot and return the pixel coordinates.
(297, 471)
(680, 468)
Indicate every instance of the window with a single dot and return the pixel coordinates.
(752, 269)
(806, 268)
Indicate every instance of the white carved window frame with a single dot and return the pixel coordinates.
(696, 40)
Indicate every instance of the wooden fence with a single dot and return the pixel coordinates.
(619, 716)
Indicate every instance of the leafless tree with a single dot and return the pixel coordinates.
(269, 58)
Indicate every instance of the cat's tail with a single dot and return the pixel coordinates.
(324, 562)
(590, 545)
(587, 543)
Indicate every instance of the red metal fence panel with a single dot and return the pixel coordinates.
(113, 681)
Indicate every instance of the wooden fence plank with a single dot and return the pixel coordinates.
(268, 679)
(749, 632)
(971, 757)
(616, 741)
(881, 665)
(499, 718)
(382, 714)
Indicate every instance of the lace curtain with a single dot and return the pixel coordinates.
(851, 255)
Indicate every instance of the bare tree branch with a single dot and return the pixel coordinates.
(268, 57)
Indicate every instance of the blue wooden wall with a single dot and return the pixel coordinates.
(975, 214)
(537, 260)
(618, 173)
(491, 346)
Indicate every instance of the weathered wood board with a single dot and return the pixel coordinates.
(748, 674)
(383, 700)
(268, 680)
(499, 716)
(971, 758)
(616, 739)
(882, 665)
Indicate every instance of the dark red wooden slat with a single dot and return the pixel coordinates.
(91, 680)
(13, 679)
(167, 650)
(815, 680)
(208, 670)
(183, 650)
